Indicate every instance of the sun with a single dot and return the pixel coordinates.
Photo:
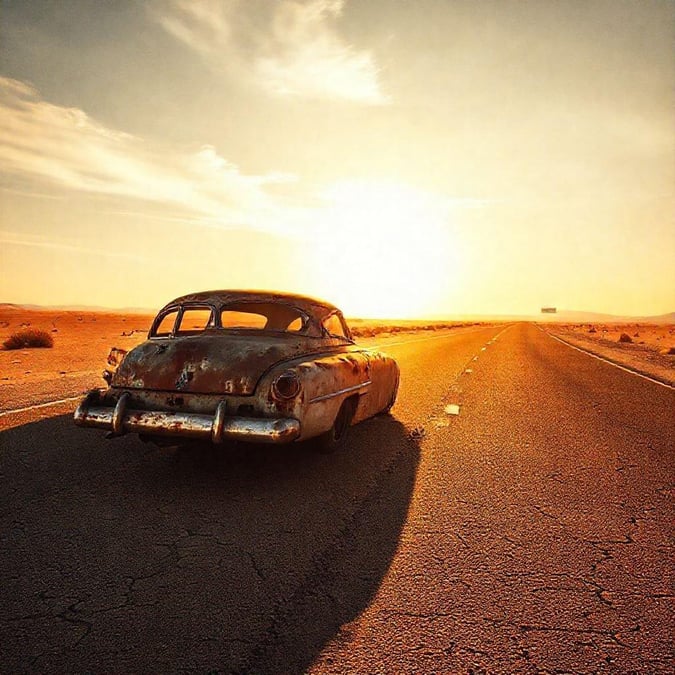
(383, 250)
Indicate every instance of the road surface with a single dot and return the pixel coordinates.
(530, 532)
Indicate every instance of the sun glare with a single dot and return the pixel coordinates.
(383, 250)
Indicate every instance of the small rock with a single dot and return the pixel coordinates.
(418, 433)
(592, 329)
(625, 338)
(671, 351)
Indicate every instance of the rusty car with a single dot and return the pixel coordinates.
(235, 365)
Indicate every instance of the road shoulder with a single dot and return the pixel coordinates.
(633, 357)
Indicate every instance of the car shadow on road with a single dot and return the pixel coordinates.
(241, 559)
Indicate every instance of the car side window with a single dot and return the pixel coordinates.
(296, 325)
(333, 326)
(166, 324)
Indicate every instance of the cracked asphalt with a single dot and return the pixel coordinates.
(532, 532)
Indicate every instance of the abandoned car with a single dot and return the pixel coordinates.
(243, 366)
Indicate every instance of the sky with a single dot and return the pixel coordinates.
(400, 158)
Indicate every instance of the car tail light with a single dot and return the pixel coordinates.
(286, 386)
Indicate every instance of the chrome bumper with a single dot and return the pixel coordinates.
(216, 428)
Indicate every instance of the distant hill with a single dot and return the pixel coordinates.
(572, 316)
(79, 308)
(562, 316)
(663, 318)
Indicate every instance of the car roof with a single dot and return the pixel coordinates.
(225, 297)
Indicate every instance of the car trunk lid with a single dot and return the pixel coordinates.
(229, 364)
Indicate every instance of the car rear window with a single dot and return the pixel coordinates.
(262, 316)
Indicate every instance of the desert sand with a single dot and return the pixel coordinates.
(74, 364)
(651, 350)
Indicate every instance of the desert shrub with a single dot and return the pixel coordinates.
(374, 330)
(28, 338)
(625, 338)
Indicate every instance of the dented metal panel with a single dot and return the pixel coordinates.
(231, 364)
(217, 384)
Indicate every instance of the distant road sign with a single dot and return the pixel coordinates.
(549, 310)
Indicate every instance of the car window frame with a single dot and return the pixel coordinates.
(307, 322)
(180, 309)
(152, 333)
(304, 316)
(347, 337)
(196, 305)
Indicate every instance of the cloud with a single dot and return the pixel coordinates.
(203, 26)
(65, 147)
(290, 48)
(51, 146)
(39, 241)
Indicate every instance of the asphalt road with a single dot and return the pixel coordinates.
(531, 532)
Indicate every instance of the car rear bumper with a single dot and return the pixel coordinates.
(216, 428)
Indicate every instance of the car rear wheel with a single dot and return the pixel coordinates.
(390, 404)
(336, 436)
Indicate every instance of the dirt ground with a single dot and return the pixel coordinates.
(74, 364)
(651, 349)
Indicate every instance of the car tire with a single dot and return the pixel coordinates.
(387, 409)
(336, 436)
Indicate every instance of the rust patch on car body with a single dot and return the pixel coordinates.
(218, 379)
(214, 361)
(116, 356)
